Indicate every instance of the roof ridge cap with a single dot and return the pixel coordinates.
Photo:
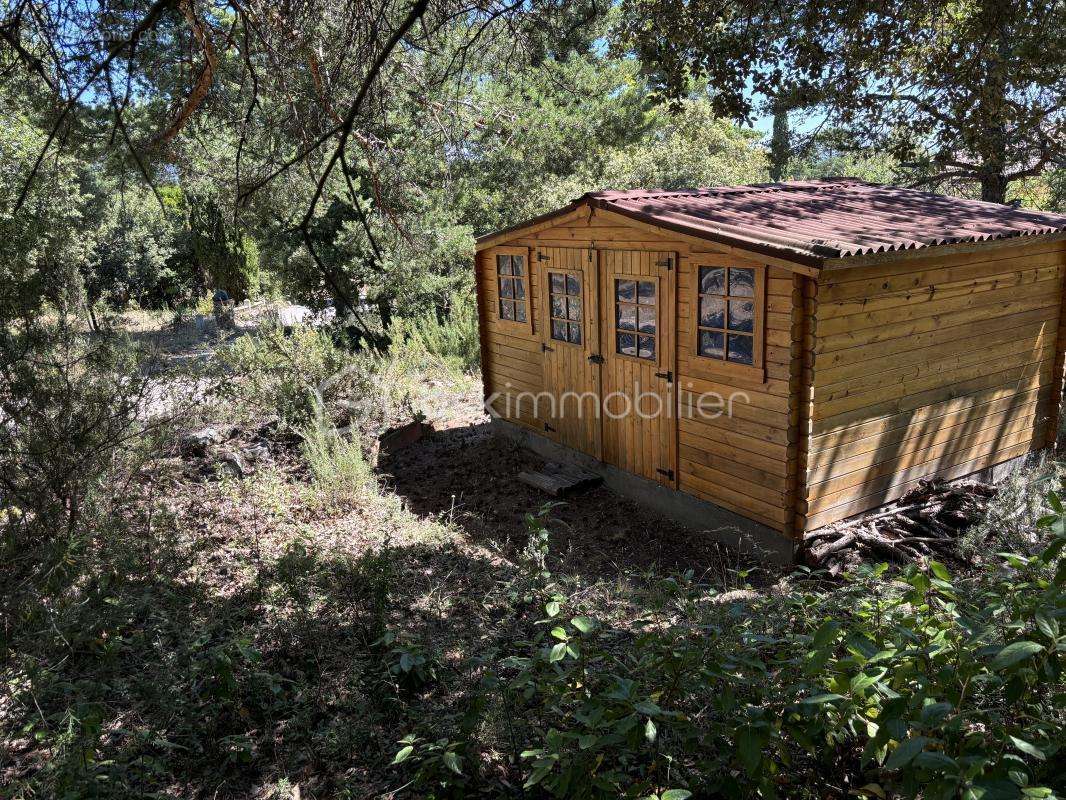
(813, 184)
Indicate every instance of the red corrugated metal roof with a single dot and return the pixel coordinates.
(810, 221)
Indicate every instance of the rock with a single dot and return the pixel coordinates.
(735, 596)
(231, 463)
(398, 438)
(197, 442)
(256, 453)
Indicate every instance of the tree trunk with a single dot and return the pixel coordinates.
(780, 147)
(992, 108)
(384, 305)
(993, 186)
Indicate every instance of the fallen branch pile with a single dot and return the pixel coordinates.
(925, 522)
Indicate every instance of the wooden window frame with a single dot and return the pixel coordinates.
(549, 316)
(513, 326)
(612, 340)
(702, 366)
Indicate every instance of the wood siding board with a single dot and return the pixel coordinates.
(937, 366)
(864, 503)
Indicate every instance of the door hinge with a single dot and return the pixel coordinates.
(550, 429)
(545, 349)
(669, 473)
(543, 257)
(666, 376)
(666, 262)
(595, 358)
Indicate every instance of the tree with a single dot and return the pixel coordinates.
(962, 92)
(131, 250)
(226, 252)
(300, 96)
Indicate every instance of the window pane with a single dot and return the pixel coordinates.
(741, 349)
(503, 265)
(520, 288)
(506, 287)
(519, 264)
(573, 285)
(646, 293)
(626, 291)
(575, 333)
(558, 283)
(520, 312)
(627, 318)
(647, 320)
(627, 344)
(741, 315)
(712, 280)
(712, 312)
(558, 307)
(646, 347)
(559, 330)
(741, 282)
(573, 306)
(712, 344)
(506, 309)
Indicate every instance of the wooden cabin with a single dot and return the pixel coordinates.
(863, 337)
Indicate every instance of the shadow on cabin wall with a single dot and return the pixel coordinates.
(919, 445)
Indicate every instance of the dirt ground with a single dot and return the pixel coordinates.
(466, 477)
(469, 477)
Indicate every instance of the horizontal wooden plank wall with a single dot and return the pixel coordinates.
(933, 366)
(511, 364)
(745, 463)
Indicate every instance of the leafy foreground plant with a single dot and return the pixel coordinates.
(914, 685)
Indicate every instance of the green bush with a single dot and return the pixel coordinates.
(452, 340)
(912, 685)
(229, 255)
(287, 375)
(339, 472)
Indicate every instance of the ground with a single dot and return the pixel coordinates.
(470, 477)
(266, 610)
(256, 614)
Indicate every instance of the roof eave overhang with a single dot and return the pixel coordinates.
(719, 235)
(493, 238)
(724, 235)
(943, 248)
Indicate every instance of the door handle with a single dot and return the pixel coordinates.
(595, 358)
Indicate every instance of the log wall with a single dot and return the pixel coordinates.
(942, 365)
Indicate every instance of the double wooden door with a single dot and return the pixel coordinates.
(608, 342)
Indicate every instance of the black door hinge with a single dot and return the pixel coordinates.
(667, 262)
(550, 429)
(543, 257)
(666, 376)
(545, 349)
(595, 358)
(669, 473)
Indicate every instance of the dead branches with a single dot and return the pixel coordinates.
(924, 523)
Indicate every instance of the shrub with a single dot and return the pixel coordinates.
(339, 472)
(69, 428)
(451, 340)
(287, 375)
(913, 685)
(230, 256)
